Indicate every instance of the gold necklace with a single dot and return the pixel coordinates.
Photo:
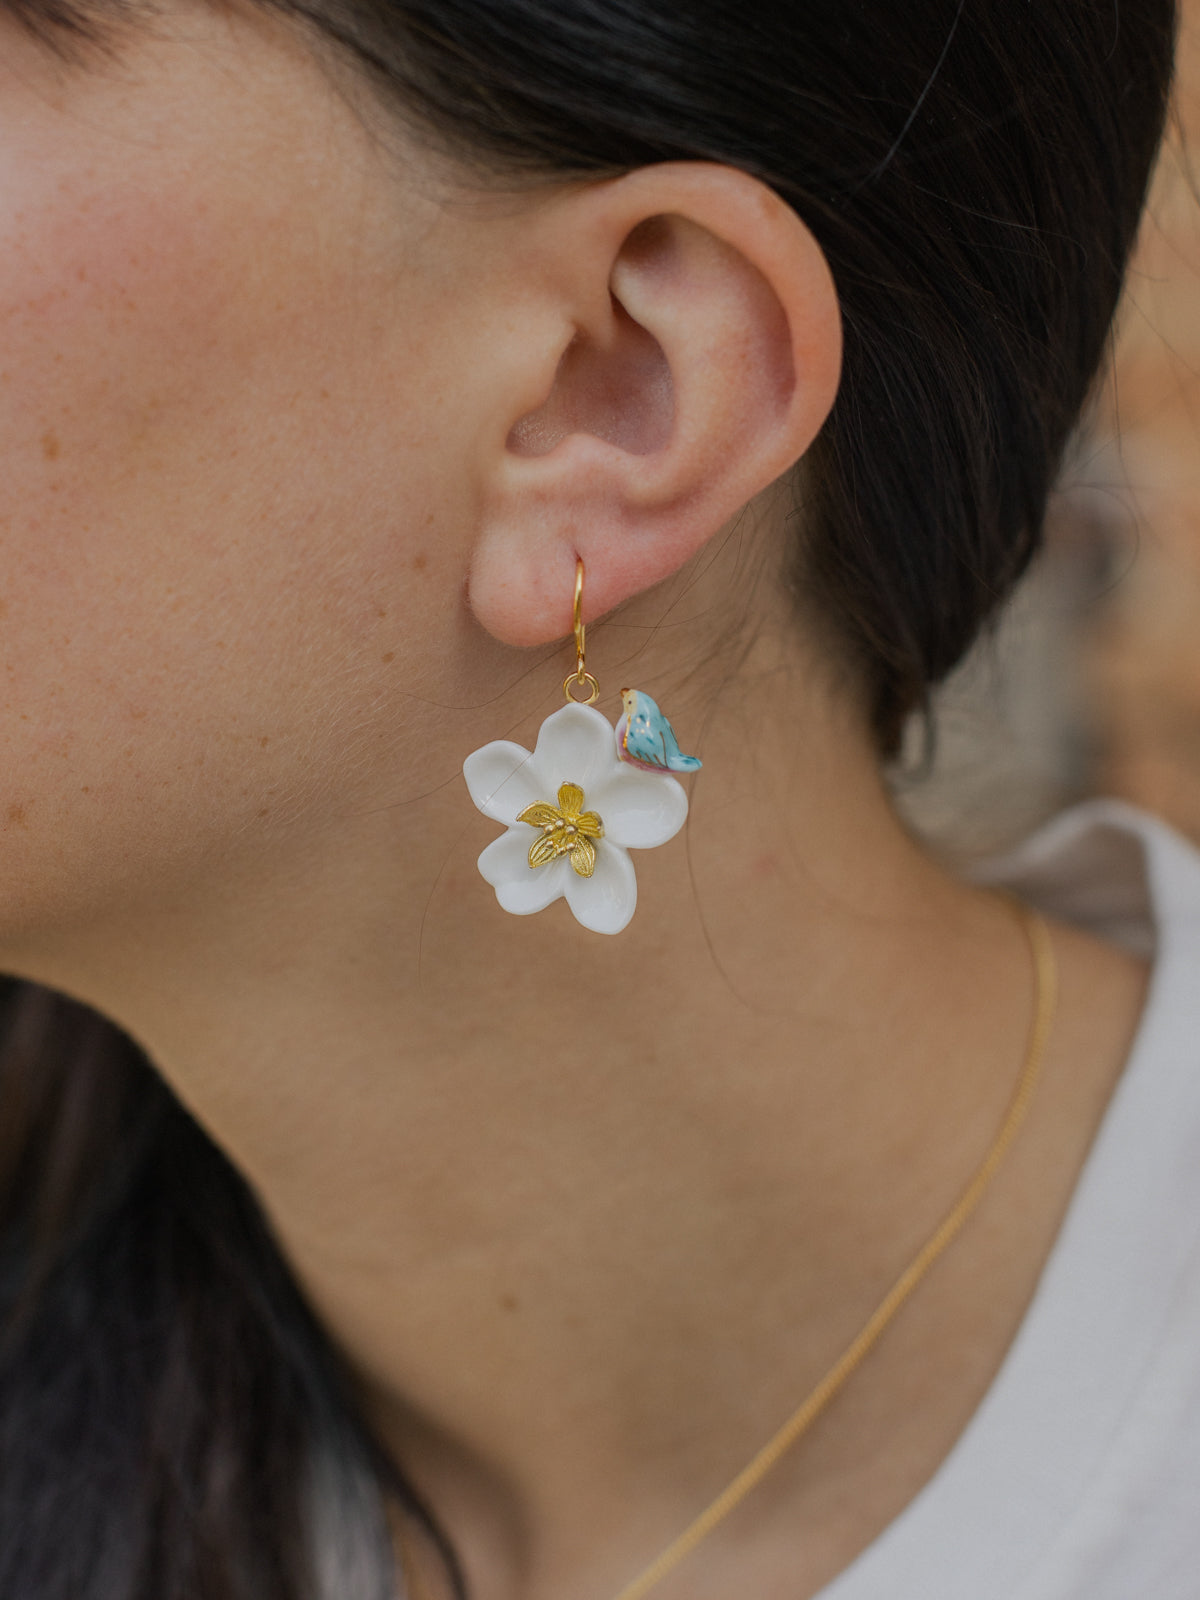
(1045, 1001)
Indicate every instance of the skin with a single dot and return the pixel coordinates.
(300, 434)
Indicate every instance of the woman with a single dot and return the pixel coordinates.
(340, 339)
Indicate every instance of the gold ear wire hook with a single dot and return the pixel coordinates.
(578, 616)
(580, 676)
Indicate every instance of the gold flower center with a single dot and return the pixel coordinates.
(564, 830)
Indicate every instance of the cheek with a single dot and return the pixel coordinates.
(95, 360)
(189, 643)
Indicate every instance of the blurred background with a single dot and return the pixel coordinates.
(1091, 682)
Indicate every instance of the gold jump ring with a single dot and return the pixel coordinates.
(581, 678)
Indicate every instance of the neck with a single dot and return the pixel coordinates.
(588, 1213)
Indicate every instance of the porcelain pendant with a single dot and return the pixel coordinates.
(576, 805)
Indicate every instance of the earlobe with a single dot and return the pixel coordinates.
(702, 355)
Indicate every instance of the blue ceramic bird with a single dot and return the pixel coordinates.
(646, 739)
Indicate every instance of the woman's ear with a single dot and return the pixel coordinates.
(685, 341)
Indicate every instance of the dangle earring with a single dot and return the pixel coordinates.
(589, 792)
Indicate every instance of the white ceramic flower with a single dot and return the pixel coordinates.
(573, 811)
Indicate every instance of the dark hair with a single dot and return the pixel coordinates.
(974, 171)
(174, 1424)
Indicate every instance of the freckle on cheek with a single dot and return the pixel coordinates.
(51, 448)
(391, 656)
(16, 816)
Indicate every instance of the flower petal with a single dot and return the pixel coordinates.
(574, 745)
(570, 799)
(640, 809)
(589, 824)
(519, 887)
(605, 901)
(583, 858)
(541, 850)
(540, 815)
(501, 781)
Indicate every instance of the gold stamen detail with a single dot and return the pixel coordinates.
(564, 830)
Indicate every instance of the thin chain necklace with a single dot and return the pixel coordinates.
(1045, 1001)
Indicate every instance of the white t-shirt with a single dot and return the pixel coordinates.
(1078, 1478)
